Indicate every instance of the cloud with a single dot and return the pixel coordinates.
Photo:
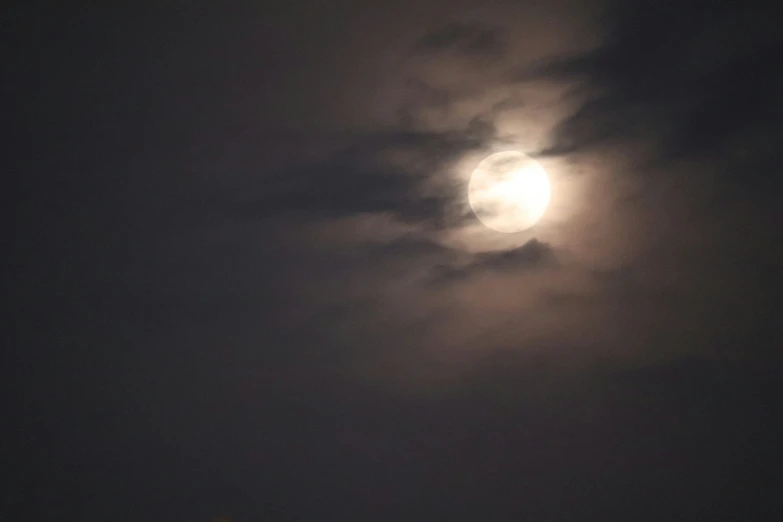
(471, 39)
(423, 97)
(398, 296)
(694, 82)
(532, 255)
(382, 172)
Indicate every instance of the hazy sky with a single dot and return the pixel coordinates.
(245, 279)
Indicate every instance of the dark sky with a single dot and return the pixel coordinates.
(244, 280)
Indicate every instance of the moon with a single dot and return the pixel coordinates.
(509, 191)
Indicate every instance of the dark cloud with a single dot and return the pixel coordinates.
(464, 38)
(533, 254)
(698, 80)
(364, 177)
(344, 188)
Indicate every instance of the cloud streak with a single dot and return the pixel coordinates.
(531, 256)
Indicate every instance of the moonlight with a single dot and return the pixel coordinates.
(509, 191)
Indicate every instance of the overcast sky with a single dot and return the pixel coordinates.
(245, 280)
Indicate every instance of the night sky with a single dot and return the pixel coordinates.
(244, 282)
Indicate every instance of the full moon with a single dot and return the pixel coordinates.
(509, 191)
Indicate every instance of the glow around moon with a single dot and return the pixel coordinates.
(509, 191)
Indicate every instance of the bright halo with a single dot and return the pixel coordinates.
(509, 191)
